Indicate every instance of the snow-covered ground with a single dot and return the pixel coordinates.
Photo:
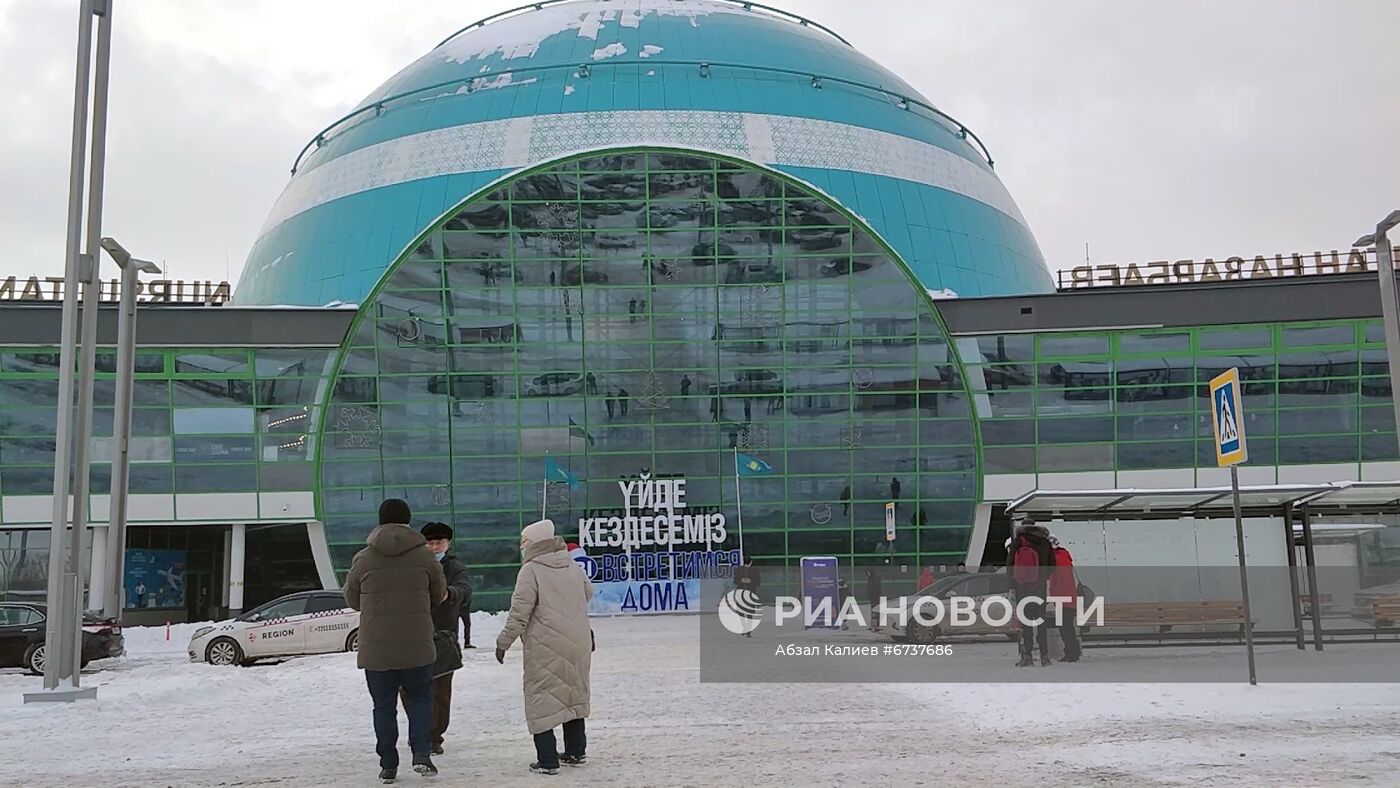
(160, 720)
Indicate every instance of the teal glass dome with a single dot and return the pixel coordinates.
(558, 79)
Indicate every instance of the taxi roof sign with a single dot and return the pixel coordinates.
(1227, 411)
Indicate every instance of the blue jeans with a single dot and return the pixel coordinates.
(417, 687)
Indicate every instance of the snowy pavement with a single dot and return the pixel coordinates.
(160, 720)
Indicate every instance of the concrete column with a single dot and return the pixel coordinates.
(97, 577)
(237, 554)
(321, 552)
(224, 569)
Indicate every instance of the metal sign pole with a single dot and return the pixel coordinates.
(1227, 423)
(1244, 574)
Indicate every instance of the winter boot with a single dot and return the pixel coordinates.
(1025, 661)
(538, 769)
(387, 776)
(437, 749)
(424, 766)
(1045, 661)
(572, 760)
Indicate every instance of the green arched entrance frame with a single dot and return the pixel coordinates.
(651, 310)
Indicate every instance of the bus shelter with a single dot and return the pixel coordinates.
(1176, 547)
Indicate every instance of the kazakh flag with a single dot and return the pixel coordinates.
(575, 431)
(554, 472)
(748, 465)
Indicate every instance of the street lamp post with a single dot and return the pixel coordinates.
(121, 427)
(1390, 301)
(63, 628)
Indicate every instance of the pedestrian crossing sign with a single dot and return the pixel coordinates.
(1228, 421)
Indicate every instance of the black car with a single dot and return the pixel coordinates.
(22, 626)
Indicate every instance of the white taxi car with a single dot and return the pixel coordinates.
(309, 622)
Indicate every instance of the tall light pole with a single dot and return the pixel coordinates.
(1390, 302)
(63, 628)
(121, 426)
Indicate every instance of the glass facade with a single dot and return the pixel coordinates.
(204, 420)
(1139, 399)
(652, 313)
(655, 313)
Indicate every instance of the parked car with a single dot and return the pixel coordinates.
(307, 622)
(843, 266)
(755, 381)
(978, 586)
(554, 384)
(705, 253)
(575, 275)
(817, 241)
(605, 240)
(22, 629)
(751, 272)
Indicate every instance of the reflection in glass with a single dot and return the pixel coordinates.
(657, 313)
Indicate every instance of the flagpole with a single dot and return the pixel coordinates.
(739, 505)
(544, 487)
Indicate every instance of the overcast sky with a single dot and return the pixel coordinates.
(1148, 130)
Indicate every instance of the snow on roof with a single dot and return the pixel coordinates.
(520, 36)
(611, 50)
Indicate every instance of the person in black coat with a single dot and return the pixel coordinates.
(445, 617)
(843, 593)
(747, 577)
(875, 589)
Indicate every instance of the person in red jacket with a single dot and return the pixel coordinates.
(1063, 583)
(1028, 566)
(925, 578)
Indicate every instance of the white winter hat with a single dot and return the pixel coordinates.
(538, 531)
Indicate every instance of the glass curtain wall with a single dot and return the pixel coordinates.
(652, 313)
(204, 421)
(1134, 399)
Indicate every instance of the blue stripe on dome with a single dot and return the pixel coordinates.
(948, 240)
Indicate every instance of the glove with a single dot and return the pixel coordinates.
(501, 655)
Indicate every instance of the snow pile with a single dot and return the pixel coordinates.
(650, 50)
(611, 50)
(150, 641)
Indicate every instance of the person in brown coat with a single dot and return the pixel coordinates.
(549, 615)
(394, 583)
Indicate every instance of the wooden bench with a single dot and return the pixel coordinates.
(1385, 612)
(1165, 615)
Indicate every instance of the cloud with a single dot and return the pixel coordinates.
(1150, 131)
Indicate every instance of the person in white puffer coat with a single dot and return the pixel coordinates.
(549, 616)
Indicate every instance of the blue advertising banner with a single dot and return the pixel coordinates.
(154, 578)
(819, 577)
(645, 596)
